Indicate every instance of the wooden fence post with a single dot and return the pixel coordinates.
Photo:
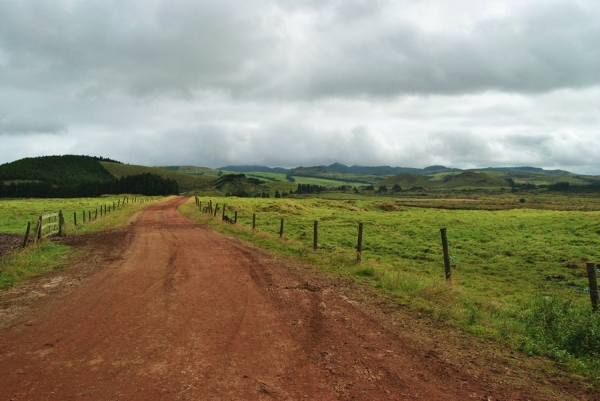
(75, 218)
(446, 254)
(235, 217)
(253, 221)
(216, 210)
(593, 280)
(223, 216)
(61, 224)
(96, 216)
(89, 215)
(38, 229)
(359, 245)
(316, 234)
(26, 234)
(281, 229)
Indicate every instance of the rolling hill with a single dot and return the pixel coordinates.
(470, 179)
(71, 176)
(408, 181)
(187, 182)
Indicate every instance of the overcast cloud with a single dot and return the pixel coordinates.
(463, 83)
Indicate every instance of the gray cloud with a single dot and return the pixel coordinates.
(463, 83)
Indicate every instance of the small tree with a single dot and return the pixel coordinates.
(277, 194)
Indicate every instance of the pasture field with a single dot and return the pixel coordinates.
(15, 213)
(302, 180)
(326, 182)
(46, 256)
(518, 274)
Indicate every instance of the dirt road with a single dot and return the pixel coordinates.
(184, 313)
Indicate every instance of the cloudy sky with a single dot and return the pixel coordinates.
(463, 83)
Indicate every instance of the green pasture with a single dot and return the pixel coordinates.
(46, 256)
(16, 213)
(267, 176)
(326, 182)
(511, 268)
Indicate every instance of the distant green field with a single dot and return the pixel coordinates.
(326, 182)
(508, 265)
(15, 213)
(267, 176)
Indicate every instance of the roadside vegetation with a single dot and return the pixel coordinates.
(518, 274)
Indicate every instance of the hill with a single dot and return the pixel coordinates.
(408, 181)
(257, 169)
(470, 179)
(73, 176)
(56, 170)
(238, 185)
(186, 182)
(324, 173)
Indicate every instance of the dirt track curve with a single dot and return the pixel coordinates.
(188, 314)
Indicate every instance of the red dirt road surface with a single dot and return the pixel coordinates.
(184, 313)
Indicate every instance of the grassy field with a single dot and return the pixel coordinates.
(46, 256)
(518, 274)
(15, 213)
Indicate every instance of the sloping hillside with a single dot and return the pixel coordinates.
(186, 182)
(56, 170)
(72, 176)
(408, 181)
(470, 179)
(238, 185)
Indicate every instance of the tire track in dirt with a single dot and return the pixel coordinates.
(188, 314)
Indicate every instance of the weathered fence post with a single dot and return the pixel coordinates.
(26, 234)
(253, 221)
(216, 210)
(316, 234)
(84, 217)
(446, 254)
(75, 218)
(235, 217)
(224, 207)
(96, 216)
(359, 245)
(593, 280)
(61, 224)
(281, 229)
(38, 229)
(89, 215)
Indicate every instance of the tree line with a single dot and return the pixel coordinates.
(143, 184)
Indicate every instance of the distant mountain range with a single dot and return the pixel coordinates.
(387, 170)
